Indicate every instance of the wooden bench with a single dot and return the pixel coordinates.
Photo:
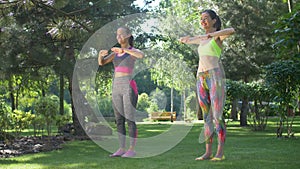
(163, 116)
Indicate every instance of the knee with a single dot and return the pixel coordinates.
(120, 121)
(131, 124)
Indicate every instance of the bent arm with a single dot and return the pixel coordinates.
(104, 60)
(134, 52)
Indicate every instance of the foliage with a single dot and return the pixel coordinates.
(21, 120)
(287, 34)
(235, 89)
(171, 71)
(5, 119)
(38, 34)
(261, 100)
(46, 108)
(105, 106)
(63, 119)
(249, 49)
(284, 77)
(191, 104)
(158, 101)
(143, 102)
(260, 107)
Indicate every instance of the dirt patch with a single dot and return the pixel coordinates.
(30, 144)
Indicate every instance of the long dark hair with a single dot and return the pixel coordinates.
(213, 15)
(131, 41)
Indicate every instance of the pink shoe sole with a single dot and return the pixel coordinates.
(129, 153)
(118, 153)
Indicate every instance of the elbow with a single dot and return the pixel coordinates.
(232, 31)
(141, 55)
(100, 63)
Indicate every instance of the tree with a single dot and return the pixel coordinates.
(171, 71)
(287, 35)
(283, 75)
(53, 30)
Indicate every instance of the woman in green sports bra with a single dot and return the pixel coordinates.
(210, 81)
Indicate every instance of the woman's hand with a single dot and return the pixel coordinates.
(101, 59)
(117, 50)
(184, 39)
(103, 53)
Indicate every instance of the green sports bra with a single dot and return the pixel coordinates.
(210, 49)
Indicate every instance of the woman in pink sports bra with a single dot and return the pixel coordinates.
(124, 90)
(210, 81)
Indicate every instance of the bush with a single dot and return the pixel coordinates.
(46, 109)
(21, 120)
(143, 102)
(5, 120)
(158, 101)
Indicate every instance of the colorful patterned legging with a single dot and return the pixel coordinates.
(211, 97)
(124, 97)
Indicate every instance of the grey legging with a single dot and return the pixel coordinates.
(124, 104)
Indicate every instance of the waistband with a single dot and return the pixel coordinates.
(209, 72)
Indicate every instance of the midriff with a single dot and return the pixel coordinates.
(207, 63)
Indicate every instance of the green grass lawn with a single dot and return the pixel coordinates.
(244, 148)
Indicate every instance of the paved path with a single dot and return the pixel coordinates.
(169, 122)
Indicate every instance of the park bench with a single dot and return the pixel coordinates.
(163, 116)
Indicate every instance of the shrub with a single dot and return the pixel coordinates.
(143, 102)
(5, 120)
(21, 120)
(46, 108)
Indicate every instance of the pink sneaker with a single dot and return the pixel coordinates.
(129, 153)
(118, 153)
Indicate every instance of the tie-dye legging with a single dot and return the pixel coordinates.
(124, 97)
(211, 97)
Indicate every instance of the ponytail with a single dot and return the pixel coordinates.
(131, 41)
(218, 23)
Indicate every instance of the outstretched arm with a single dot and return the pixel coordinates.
(193, 40)
(222, 34)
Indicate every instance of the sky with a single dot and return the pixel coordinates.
(140, 3)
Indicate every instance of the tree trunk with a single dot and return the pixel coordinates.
(61, 94)
(17, 100)
(244, 112)
(184, 106)
(290, 5)
(76, 114)
(233, 113)
(83, 110)
(256, 110)
(172, 90)
(199, 113)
